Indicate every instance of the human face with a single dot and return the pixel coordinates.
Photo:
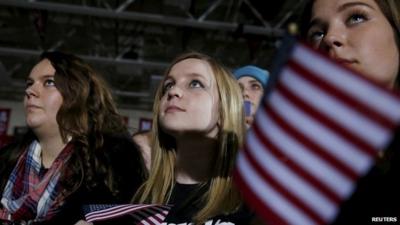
(42, 99)
(190, 99)
(252, 91)
(358, 35)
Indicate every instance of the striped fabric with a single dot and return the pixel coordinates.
(142, 214)
(29, 196)
(314, 135)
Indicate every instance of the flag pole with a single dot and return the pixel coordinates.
(280, 59)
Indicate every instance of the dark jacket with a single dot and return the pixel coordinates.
(126, 162)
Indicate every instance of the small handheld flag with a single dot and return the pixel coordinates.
(317, 131)
(140, 214)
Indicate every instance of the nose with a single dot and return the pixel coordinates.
(245, 92)
(32, 91)
(175, 91)
(334, 40)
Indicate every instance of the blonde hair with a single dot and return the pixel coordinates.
(221, 196)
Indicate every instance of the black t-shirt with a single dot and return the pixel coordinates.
(186, 203)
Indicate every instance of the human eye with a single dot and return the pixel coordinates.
(356, 17)
(241, 86)
(167, 86)
(255, 86)
(196, 84)
(315, 35)
(28, 83)
(49, 82)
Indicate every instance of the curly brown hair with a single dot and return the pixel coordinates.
(87, 114)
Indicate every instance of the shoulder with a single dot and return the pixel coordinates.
(118, 142)
(8, 158)
(126, 162)
(120, 148)
(10, 153)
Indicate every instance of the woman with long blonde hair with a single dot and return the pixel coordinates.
(198, 127)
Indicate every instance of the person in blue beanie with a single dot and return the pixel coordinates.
(252, 80)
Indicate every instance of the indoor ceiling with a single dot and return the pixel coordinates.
(131, 42)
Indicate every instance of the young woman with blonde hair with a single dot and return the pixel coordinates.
(198, 127)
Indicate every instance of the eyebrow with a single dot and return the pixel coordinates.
(170, 76)
(45, 76)
(48, 76)
(315, 21)
(254, 81)
(196, 75)
(352, 4)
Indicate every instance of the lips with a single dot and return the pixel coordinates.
(174, 108)
(346, 62)
(32, 106)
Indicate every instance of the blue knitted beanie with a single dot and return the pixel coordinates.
(252, 71)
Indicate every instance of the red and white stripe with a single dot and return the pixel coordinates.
(314, 135)
(144, 214)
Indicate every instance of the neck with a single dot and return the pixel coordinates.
(194, 160)
(52, 145)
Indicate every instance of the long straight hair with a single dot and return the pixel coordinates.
(221, 196)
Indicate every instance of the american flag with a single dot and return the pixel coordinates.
(318, 130)
(143, 214)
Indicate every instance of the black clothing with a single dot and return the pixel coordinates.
(43, 172)
(377, 193)
(186, 203)
(128, 169)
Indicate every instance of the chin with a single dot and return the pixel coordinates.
(33, 123)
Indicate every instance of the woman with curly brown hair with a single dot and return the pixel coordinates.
(77, 150)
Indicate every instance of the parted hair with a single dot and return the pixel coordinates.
(221, 195)
(86, 114)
